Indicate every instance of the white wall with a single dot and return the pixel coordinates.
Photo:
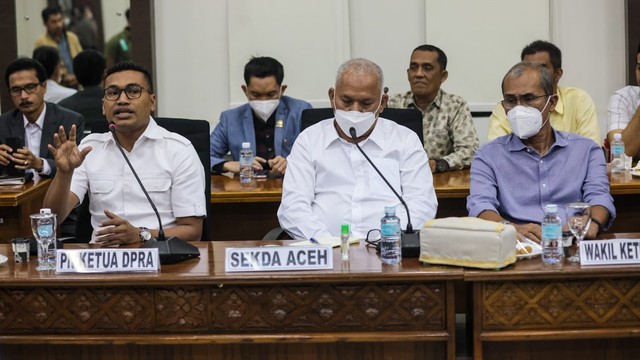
(202, 46)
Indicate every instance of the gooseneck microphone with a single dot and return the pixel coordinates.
(410, 239)
(171, 250)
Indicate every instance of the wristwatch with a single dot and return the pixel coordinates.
(145, 235)
(442, 165)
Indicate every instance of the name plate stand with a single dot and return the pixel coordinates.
(107, 260)
(278, 258)
(610, 252)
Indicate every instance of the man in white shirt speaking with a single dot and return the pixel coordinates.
(329, 182)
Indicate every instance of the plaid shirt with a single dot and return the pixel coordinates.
(447, 127)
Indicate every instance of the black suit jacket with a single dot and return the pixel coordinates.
(88, 103)
(12, 125)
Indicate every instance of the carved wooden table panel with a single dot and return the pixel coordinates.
(529, 311)
(195, 304)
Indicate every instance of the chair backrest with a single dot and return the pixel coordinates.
(196, 131)
(411, 118)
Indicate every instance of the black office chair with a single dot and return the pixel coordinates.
(196, 131)
(411, 118)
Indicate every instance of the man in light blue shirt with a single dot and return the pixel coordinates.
(514, 176)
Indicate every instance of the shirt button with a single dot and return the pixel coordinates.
(544, 185)
(541, 161)
(269, 149)
(528, 150)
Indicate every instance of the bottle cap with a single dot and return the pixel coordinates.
(246, 145)
(344, 229)
(390, 208)
(617, 136)
(551, 208)
(45, 211)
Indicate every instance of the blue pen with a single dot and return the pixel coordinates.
(314, 241)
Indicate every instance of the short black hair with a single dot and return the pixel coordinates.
(127, 65)
(89, 67)
(48, 56)
(262, 67)
(25, 63)
(442, 57)
(555, 55)
(51, 10)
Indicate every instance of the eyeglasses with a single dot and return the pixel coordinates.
(529, 100)
(29, 89)
(112, 93)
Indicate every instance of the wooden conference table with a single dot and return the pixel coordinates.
(194, 310)
(17, 202)
(257, 207)
(531, 311)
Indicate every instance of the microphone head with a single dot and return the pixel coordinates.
(112, 126)
(385, 90)
(352, 132)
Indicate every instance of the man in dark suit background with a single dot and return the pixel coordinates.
(34, 120)
(89, 66)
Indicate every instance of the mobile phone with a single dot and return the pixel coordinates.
(14, 143)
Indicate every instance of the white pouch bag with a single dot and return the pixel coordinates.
(469, 242)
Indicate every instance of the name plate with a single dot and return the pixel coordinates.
(107, 260)
(278, 258)
(610, 252)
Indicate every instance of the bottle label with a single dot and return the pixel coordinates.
(45, 231)
(390, 229)
(551, 231)
(617, 150)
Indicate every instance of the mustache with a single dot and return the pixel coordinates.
(25, 103)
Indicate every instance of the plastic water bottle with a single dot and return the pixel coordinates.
(344, 242)
(247, 175)
(390, 251)
(617, 154)
(45, 228)
(552, 247)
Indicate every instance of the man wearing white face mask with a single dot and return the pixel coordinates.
(330, 183)
(269, 121)
(514, 176)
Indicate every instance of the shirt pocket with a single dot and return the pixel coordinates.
(159, 188)
(101, 185)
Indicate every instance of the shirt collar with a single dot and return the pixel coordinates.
(437, 101)
(377, 136)
(515, 144)
(39, 121)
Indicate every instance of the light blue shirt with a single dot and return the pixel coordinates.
(513, 180)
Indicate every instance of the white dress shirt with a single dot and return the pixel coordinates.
(33, 138)
(167, 165)
(329, 182)
(622, 105)
(56, 92)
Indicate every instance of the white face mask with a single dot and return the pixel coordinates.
(360, 121)
(264, 108)
(526, 121)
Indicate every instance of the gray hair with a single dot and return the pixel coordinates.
(360, 66)
(546, 81)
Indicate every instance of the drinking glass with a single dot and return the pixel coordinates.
(43, 226)
(578, 219)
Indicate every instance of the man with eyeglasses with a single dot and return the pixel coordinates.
(270, 121)
(514, 176)
(574, 112)
(33, 121)
(166, 163)
(450, 138)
